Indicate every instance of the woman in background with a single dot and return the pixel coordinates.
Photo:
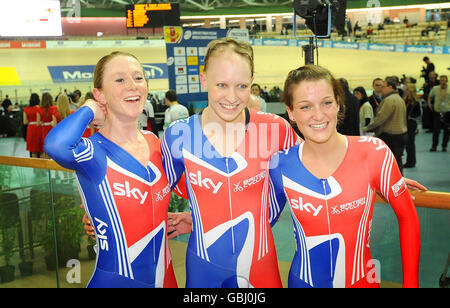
(49, 118)
(413, 111)
(365, 109)
(32, 118)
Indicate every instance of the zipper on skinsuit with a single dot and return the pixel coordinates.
(231, 209)
(329, 226)
(153, 212)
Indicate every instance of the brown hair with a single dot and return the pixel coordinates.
(46, 102)
(100, 66)
(229, 44)
(313, 73)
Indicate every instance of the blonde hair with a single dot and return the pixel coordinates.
(411, 88)
(222, 45)
(63, 104)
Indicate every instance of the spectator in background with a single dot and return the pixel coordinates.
(425, 73)
(427, 117)
(146, 120)
(390, 120)
(365, 109)
(440, 96)
(6, 103)
(413, 111)
(32, 118)
(176, 111)
(49, 118)
(75, 97)
(350, 124)
(256, 90)
(377, 94)
(63, 105)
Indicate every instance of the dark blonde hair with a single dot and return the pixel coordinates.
(100, 66)
(221, 45)
(63, 104)
(46, 101)
(313, 73)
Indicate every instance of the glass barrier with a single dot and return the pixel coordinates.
(43, 243)
(42, 239)
(385, 246)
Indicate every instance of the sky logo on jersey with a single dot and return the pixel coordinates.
(85, 73)
(126, 190)
(101, 230)
(308, 207)
(196, 179)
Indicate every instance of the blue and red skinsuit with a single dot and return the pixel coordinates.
(126, 201)
(231, 244)
(333, 217)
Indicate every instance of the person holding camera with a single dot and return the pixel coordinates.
(425, 73)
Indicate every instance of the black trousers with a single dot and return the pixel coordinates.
(411, 144)
(397, 144)
(437, 126)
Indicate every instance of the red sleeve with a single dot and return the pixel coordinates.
(288, 137)
(392, 186)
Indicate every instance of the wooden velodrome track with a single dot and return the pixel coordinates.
(271, 65)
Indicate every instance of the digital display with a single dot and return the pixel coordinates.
(153, 15)
(30, 18)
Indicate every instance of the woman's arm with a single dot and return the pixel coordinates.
(393, 187)
(66, 136)
(25, 118)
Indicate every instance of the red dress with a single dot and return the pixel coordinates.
(46, 122)
(34, 141)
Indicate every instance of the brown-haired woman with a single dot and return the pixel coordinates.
(330, 181)
(32, 118)
(49, 118)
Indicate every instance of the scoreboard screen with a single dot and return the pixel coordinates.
(153, 15)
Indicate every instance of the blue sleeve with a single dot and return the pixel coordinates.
(64, 142)
(172, 150)
(277, 197)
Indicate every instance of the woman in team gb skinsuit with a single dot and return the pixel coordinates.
(122, 183)
(330, 182)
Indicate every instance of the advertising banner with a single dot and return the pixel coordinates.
(85, 73)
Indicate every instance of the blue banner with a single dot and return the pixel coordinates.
(355, 45)
(85, 73)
